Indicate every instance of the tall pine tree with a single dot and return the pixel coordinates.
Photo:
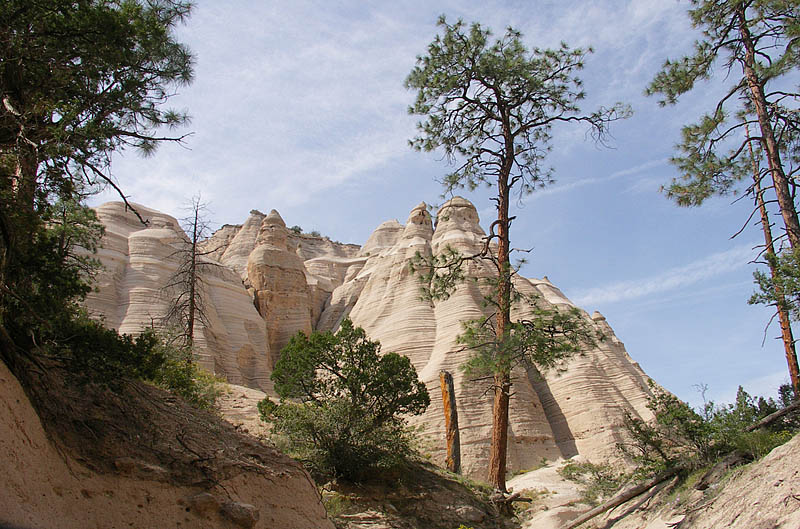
(754, 43)
(491, 106)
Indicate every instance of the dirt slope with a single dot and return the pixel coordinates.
(139, 461)
(762, 495)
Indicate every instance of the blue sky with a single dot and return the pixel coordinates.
(300, 106)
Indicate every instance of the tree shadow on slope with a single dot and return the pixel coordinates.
(143, 431)
(418, 495)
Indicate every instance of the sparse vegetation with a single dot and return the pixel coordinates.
(100, 355)
(682, 437)
(598, 481)
(186, 379)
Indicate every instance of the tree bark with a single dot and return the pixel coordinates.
(780, 182)
(783, 313)
(502, 375)
(497, 460)
(451, 422)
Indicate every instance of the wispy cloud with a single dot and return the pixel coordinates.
(764, 386)
(672, 279)
(570, 186)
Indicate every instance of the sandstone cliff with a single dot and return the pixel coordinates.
(138, 262)
(299, 283)
(553, 415)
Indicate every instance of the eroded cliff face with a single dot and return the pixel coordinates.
(552, 415)
(300, 283)
(138, 262)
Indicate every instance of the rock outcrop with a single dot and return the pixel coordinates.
(278, 283)
(138, 262)
(552, 414)
(299, 283)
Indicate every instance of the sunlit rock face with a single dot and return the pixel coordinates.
(300, 282)
(290, 276)
(277, 278)
(552, 414)
(139, 261)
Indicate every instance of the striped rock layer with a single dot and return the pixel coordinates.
(299, 283)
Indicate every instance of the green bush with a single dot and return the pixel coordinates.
(97, 354)
(194, 384)
(342, 403)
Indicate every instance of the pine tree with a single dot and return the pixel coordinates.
(491, 107)
(754, 43)
(79, 80)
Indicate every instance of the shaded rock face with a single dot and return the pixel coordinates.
(138, 262)
(300, 283)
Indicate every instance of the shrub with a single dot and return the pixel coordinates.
(186, 379)
(345, 414)
(97, 354)
(681, 436)
(597, 481)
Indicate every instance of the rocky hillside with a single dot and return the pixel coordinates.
(762, 495)
(276, 282)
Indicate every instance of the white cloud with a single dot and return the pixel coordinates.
(672, 279)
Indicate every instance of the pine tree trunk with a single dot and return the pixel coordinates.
(497, 461)
(783, 313)
(780, 182)
(502, 375)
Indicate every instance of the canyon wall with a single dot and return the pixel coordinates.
(131, 295)
(298, 282)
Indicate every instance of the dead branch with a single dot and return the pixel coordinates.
(624, 496)
(772, 417)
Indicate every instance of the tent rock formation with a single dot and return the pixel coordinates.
(299, 283)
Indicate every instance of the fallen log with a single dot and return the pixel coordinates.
(772, 417)
(622, 497)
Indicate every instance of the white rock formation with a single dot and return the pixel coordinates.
(138, 262)
(300, 283)
(579, 411)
